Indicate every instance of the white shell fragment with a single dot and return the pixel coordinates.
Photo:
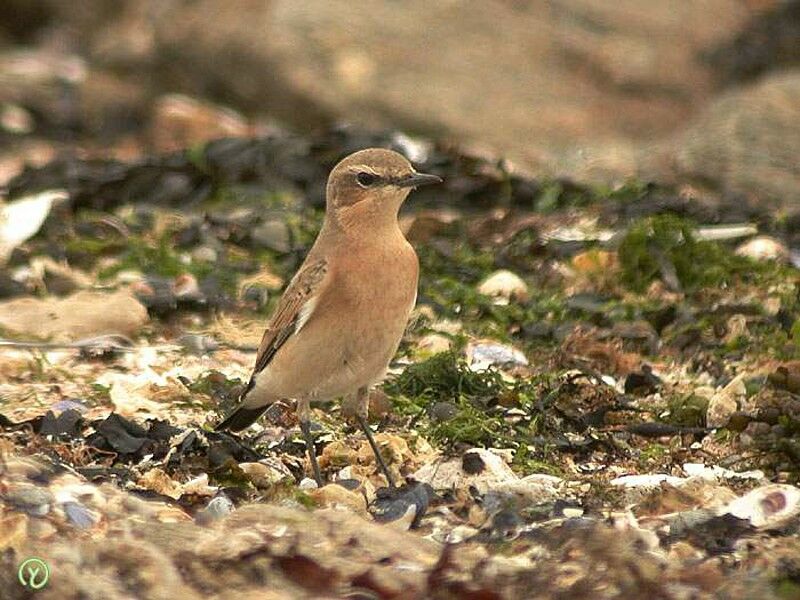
(450, 474)
(717, 473)
(647, 481)
(493, 473)
(717, 233)
(769, 507)
(482, 355)
(21, 219)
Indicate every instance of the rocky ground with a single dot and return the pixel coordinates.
(598, 394)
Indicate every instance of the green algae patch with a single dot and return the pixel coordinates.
(666, 247)
(452, 405)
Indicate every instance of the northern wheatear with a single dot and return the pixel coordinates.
(340, 320)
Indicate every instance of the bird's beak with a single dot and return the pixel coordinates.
(417, 179)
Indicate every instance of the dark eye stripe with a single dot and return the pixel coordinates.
(366, 179)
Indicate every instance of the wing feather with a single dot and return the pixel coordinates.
(294, 309)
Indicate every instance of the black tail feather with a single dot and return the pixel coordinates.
(241, 418)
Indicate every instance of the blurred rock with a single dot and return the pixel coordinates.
(768, 42)
(747, 141)
(15, 119)
(593, 85)
(272, 235)
(764, 248)
(434, 343)
(181, 122)
(504, 286)
(725, 402)
(334, 495)
(74, 317)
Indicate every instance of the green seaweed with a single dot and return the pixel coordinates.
(477, 400)
(655, 244)
(687, 410)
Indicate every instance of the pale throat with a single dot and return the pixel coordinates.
(367, 219)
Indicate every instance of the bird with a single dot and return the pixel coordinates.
(340, 320)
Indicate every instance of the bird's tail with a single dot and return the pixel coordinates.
(241, 418)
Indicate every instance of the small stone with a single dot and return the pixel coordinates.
(272, 235)
(31, 499)
(651, 480)
(181, 121)
(158, 481)
(772, 306)
(307, 484)
(450, 474)
(725, 402)
(472, 463)
(79, 515)
(443, 411)
(504, 286)
(434, 343)
(339, 496)
(15, 119)
(421, 226)
(764, 248)
(540, 330)
(204, 254)
(13, 529)
(198, 344)
(642, 383)
(337, 454)
(199, 486)
(219, 506)
(737, 328)
(41, 529)
(265, 475)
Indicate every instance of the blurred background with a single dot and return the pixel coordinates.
(706, 93)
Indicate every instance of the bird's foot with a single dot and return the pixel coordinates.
(305, 427)
(371, 439)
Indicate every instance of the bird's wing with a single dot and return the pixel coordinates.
(293, 311)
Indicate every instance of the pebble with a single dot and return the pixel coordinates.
(725, 402)
(263, 475)
(79, 515)
(204, 254)
(434, 343)
(31, 499)
(219, 506)
(272, 235)
(504, 286)
(764, 248)
(307, 484)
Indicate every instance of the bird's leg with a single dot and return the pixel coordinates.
(304, 415)
(362, 405)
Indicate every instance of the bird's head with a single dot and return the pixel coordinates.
(372, 183)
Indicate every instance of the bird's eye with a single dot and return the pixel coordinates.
(366, 179)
